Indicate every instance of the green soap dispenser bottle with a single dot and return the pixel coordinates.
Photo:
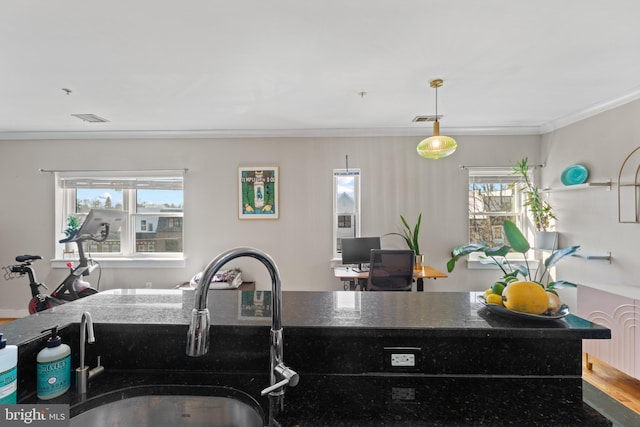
(54, 367)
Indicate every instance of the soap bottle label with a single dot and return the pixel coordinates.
(8, 386)
(54, 378)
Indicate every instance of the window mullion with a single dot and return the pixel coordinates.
(128, 237)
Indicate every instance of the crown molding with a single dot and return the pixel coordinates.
(590, 112)
(265, 133)
(417, 131)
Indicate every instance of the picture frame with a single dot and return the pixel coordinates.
(258, 192)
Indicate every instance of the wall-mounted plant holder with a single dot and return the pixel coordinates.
(546, 240)
(628, 188)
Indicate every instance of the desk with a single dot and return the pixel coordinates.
(348, 275)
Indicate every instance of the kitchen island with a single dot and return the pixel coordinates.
(459, 364)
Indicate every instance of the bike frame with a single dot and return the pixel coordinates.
(68, 290)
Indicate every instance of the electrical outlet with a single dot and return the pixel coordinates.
(406, 394)
(402, 359)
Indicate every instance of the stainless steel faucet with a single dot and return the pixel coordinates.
(198, 335)
(83, 374)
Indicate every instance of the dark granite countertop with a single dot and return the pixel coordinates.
(403, 313)
(333, 340)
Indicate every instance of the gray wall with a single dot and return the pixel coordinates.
(590, 217)
(395, 181)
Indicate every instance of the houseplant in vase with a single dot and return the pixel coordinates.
(410, 236)
(541, 211)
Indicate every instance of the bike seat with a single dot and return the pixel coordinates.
(23, 258)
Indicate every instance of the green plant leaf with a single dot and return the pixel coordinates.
(501, 250)
(559, 254)
(460, 251)
(416, 230)
(515, 237)
(404, 236)
(521, 269)
(561, 284)
(410, 235)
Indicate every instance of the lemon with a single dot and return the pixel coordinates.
(487, 293)
(497, 288)
(494, 299)
(526, 297)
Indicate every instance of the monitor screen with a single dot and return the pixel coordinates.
(357, 250)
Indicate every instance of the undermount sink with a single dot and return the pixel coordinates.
(170, 406)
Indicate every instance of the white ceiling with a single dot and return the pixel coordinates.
(158, 68)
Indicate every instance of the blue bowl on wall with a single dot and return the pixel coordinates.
(574, 174)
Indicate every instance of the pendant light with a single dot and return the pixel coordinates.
(436, 146)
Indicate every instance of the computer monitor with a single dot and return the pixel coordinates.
(357, 250)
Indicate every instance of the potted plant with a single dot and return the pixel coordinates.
(73, 223)
(541, 211)
(410, 236)
(518, 243)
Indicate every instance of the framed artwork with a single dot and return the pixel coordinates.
(258, 192)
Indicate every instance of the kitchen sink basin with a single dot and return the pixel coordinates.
(169, 406)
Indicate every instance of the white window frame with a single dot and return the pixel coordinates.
(65, 200)
(520, 212)
(356, 174)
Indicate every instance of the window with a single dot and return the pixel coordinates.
(494, 196)
(153, 201)
(346, 207)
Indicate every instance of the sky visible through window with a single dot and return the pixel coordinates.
(156, 197)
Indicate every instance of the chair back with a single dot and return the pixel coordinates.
(391, 270)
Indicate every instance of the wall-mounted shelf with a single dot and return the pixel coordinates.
(604, 256)
(601, 184)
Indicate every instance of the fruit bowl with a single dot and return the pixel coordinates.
(503, 311)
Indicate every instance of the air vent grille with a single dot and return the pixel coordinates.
(91, 118)
(420, 119)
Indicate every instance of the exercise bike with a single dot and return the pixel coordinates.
(95, 228)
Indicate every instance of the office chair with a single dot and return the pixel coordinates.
(391, 270)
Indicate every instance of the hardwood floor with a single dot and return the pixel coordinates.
(618, 385)
(621, 387)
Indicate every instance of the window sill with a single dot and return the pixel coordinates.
(475, 264)
(127, 262)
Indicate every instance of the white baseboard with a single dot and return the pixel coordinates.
(7, 313)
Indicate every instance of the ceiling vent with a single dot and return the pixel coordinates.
(420, 119)
(91, 118)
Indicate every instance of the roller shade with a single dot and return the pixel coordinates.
(120, 180)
